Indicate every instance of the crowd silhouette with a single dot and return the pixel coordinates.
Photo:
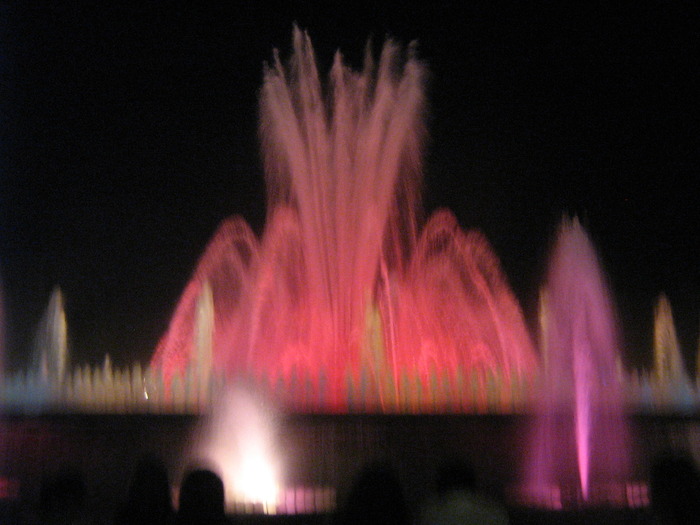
(674, 488)
(375, 496)
(149, 499)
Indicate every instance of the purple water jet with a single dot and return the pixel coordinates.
(581, 437)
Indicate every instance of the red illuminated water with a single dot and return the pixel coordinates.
(581, 438)
(345, 286)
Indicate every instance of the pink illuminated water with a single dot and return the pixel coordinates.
(581, 438)
(345, 286)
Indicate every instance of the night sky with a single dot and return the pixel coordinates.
(128, 132)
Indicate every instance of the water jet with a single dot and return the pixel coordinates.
(581, 438)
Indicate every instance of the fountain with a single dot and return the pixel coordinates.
(581, 438)
(50, 355)
(347, 303)
(345, 295)
(237, 441)
(669, 374)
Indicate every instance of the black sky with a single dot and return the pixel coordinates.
(129, 131)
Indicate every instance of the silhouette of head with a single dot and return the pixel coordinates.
(455, 475)
(375, 498)
(675, 488)
(62, 496)
(148, 500)
(201, 498)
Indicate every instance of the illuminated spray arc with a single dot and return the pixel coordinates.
(345, 288)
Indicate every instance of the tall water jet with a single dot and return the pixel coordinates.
(670, 375)
(204, 331)
(345, 292)
(668, 363)
(50, 355)
(581, 437)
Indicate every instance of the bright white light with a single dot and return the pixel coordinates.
(238, 441)
(256, 481)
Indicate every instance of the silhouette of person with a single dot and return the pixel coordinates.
(376, 498)
(62, 498)
(148, 500)
(457, 501)
(674, 487)
(201, 499)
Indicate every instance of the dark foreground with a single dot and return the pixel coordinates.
(318, 450)
(11, 513)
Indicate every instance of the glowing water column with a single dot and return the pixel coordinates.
(50, 356)
(238, 441)
(580, 440)
(670, 377)
(204, 333)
